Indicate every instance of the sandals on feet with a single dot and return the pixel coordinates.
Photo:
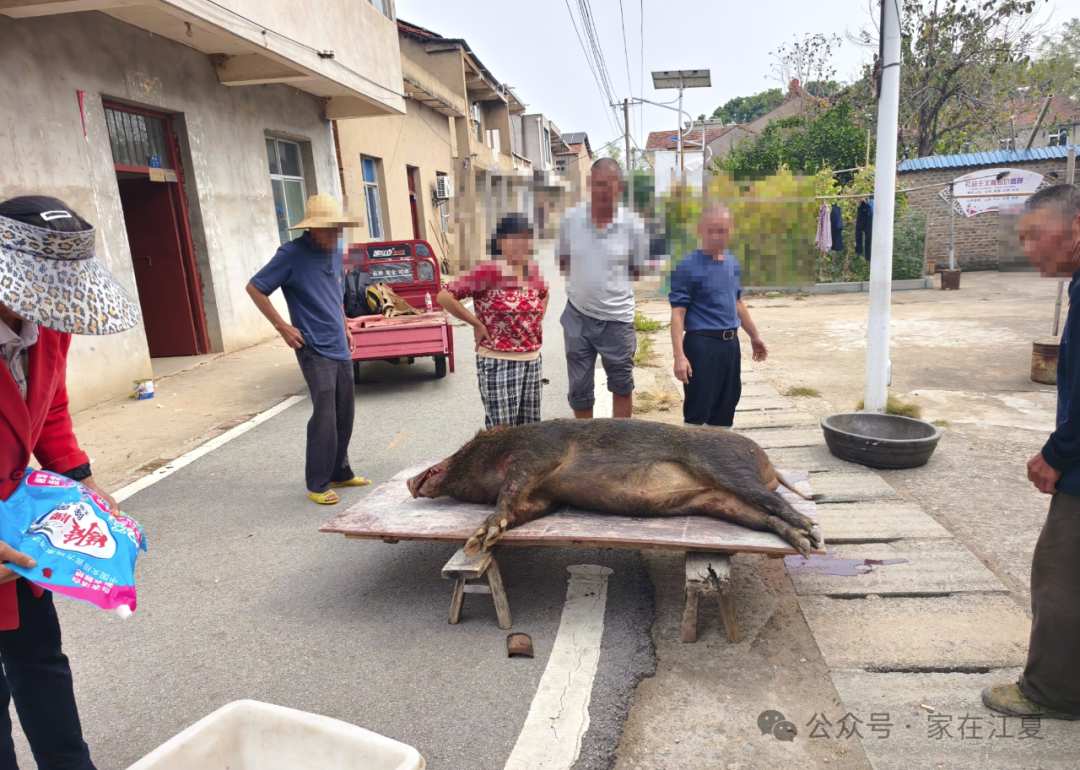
(355, 481)
(329, 497)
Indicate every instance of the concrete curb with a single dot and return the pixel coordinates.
(911, 284)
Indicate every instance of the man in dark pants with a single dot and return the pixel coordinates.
(706, 303)
(1050, 685)
(309, 272)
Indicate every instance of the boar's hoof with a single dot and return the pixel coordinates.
(816, 536)
(485, 536)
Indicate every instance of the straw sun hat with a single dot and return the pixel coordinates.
(325, 211)
(53, 279)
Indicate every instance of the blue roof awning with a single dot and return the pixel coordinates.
(987, 158)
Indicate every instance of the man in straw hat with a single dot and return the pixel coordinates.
(51, 287)
(309, 271)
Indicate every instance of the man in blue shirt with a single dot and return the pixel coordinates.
(309, 272)
(1050, 685)
(706, 304)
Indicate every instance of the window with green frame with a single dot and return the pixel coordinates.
(287, 179)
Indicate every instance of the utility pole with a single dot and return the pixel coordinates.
(629, 157)
(878, 366)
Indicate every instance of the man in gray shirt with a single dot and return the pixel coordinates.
(603, 247)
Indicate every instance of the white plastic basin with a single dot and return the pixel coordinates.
(249, 735)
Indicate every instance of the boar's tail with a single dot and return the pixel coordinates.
(787, 484)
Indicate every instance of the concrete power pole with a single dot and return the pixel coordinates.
(878, 366)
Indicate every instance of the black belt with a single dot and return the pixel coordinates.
(720, 334)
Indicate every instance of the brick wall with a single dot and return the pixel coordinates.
(976, 238)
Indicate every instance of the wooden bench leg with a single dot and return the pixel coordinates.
(727, 613)
(689, 617)
(457, 601)
(709, 573)
(498, 594)
(461, 569)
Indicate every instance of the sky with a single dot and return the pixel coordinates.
(533, 47)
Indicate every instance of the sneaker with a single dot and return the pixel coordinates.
(1010, 699)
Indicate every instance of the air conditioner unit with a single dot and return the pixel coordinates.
(443, 188)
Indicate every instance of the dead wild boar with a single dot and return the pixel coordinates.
(627, 467)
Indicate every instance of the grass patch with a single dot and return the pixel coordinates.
(941, 423)
(897, 407)
(774, 295)
(644, 351)
(645, 324)
(801, 392)
(654, 400)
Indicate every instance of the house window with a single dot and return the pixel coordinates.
(444, 210)
(287, 180)
(494, 140)
(547, 146)
(137, 140)
(383, 7)
(1059, 138)
(371, 196)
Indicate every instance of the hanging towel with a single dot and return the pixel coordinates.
(864, 228)
(824, 228)
(837, 228)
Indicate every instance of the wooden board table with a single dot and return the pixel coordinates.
(390, 513)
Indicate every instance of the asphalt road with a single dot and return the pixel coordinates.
(240, 597)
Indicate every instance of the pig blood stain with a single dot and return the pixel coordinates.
(829, 565)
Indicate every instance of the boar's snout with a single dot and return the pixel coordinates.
(428, 483)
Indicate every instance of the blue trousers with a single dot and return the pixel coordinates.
(715, 381)
(38, 678)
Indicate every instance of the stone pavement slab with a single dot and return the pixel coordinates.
(815, 459)
(760, 389)
(772, 438)
(975, 738)
(876, 522)
(971, 632)
(851, 486)
(907, 567)
(752, 403)
(773, 419)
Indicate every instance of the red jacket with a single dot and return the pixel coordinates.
(41, 425)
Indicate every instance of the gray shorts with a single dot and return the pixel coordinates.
(585, 337)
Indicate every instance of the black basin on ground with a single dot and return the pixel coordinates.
(880, 440)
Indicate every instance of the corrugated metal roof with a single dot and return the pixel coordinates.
(987, 158)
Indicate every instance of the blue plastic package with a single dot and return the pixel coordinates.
(82, 549)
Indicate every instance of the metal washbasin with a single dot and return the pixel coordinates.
(880, 440)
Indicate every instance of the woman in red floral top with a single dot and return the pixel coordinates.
(510, 299)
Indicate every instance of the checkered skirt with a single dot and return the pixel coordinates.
(510, 390)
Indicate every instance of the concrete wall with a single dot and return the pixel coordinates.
(532, 140)
(976, 238)
(420, 138)
(46, 61)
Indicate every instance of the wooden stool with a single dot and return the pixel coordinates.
(462, 568)
(708, 573)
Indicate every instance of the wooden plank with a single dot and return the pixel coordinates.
(706, 571)
(477, 588)
(903, 568)
(390, 511)
(876, 522)
(462, 567)
(814, 459)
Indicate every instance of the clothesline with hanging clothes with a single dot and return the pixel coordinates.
(938, 186)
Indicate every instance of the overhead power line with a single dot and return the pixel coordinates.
(600, 81)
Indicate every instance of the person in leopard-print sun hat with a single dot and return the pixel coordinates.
(51, 286)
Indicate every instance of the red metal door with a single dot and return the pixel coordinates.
(411, 173)
(160, 275)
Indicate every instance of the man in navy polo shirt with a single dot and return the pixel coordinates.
(309, 272)
(706, 304)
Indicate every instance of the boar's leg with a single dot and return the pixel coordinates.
(518, 501)
(731, 507)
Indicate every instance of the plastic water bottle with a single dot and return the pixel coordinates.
(427, 301)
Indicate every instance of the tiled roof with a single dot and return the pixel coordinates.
(1062, 109)
(412, 29)
(669, 140)
(986, 158)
